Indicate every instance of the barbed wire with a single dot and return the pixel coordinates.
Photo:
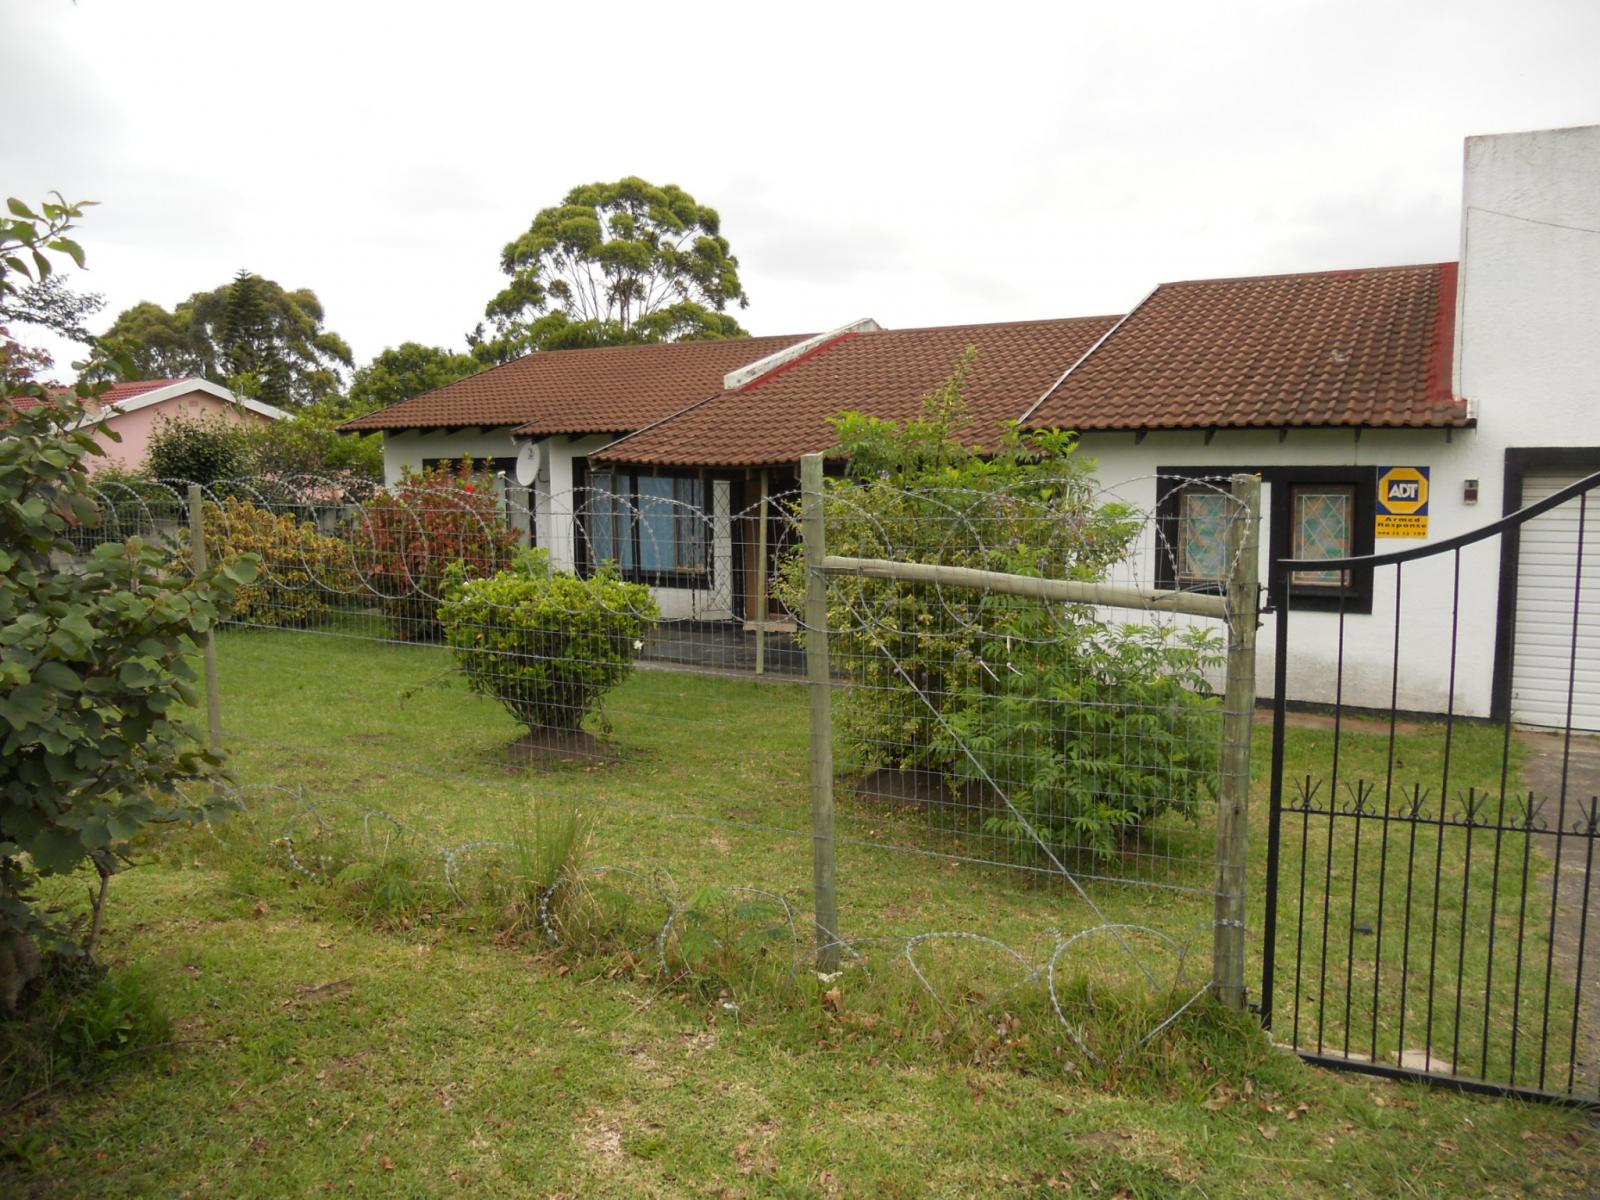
(1045, 971)
(970, 525)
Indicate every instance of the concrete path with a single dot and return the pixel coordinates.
(1577, 926)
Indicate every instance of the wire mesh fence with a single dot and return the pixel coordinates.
(1030, 774)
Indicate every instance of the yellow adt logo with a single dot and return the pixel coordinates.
(1403, 491)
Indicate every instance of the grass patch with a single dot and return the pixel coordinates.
(84, 1026)
(373, 1049)
(1416, 940)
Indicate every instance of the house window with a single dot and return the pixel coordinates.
(653, 527)
(1313, 513)
(1202, 536)
(1322, 520)
(485, 469)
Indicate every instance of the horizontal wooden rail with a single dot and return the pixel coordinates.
(1061, 591)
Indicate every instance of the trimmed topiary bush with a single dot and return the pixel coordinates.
(301, 570)
(547, 645)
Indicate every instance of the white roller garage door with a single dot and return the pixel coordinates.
(1547, 581)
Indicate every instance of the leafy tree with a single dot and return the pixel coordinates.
(30, 292)
(1091, 728)
(148, 342)
(250, 334)
(402, 372)
(209, 450)
(201, 450)
(614, 263)
(309, 443)
(49, 304)
(97, 656)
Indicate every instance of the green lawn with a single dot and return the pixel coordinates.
(420, 1053)
(1391, 943)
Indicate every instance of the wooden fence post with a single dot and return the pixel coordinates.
(824, 883)
(1238, 718)
(208, 644)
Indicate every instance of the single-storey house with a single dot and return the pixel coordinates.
(541, 417)
(134, 409)
(1481, 378)
(749, 438)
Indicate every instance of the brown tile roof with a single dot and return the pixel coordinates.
(117, 392)
(612, 389)
(1338, 348)
(885, 373)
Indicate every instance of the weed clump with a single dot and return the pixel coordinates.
(83, 1025)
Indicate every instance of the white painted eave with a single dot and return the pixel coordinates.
(185, 387)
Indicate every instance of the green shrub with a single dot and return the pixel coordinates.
(300, 568)
(308, 443)
(547, 645)
(83, 1024)
(1091, 736)
(1090, 729)
(203, 450)
(97, 679)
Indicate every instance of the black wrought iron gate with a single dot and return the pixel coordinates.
(1431, 906)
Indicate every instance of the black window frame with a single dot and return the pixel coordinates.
(703, 580)
(488, 468)
(1354, 597)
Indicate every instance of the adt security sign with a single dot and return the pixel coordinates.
(1402, 502)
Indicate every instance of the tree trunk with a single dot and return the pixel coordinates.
(20, 964)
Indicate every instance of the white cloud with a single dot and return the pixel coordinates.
(926, 164)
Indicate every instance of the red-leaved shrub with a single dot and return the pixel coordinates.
(406, 538)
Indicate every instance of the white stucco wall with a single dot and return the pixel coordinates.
(1127, 470)
(1528, 326)
(405, 451)
(554, 500)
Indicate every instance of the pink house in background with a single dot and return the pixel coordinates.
(134, 410)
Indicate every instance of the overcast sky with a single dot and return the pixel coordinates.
(918, 163)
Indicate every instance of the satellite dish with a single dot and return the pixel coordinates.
(528, 464)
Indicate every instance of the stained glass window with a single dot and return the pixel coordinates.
(1202, 536)
(1323, 525)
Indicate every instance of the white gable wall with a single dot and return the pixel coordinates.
(1528, 326)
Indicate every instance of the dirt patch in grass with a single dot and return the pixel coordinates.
(1347, 722)
(922, 789)
(561, 745)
